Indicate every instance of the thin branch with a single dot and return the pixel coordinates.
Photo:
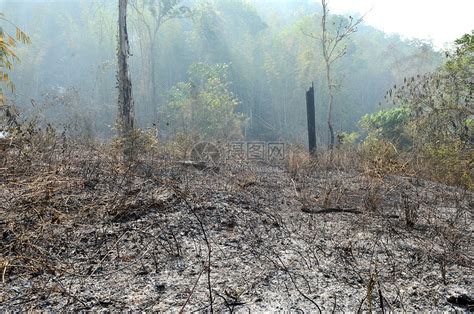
(296, 286)
(192, 291)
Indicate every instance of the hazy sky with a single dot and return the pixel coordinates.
(440, 20)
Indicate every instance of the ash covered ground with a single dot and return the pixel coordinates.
(161, 236)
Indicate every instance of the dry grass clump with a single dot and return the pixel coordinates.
(450, 164)
(299, 161)
(47, 181)
(373, 195)
(344, 158)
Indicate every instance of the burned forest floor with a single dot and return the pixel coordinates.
(84, 232)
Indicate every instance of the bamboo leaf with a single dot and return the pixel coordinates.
(11, 41)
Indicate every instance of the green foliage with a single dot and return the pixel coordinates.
(463, 54)
(432, 108)
(7, 53)
(434, 118)
(271, 62)
(348, 139)
(441, 103)
(205, 105)
(388, 124)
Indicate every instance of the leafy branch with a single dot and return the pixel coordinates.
(7, 54)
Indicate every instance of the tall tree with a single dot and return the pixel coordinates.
(334, 47)
(152, 14)
(125, 100)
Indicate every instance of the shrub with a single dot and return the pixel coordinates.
(389, 125)
(139, 142)
(432, 126)
(205, 105)
(450, 163)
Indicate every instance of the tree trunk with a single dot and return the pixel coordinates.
(310, 112)
(154, 101)
(125, 100)
(330, 106)
(153, 61)
(327, 52)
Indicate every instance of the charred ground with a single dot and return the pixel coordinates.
(82, 231)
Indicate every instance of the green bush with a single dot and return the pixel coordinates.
(205, 105)
(432, 127)
(388, 124)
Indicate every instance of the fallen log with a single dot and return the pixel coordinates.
(330, 210)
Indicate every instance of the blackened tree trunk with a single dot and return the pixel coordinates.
(125, 100)
(310, 111)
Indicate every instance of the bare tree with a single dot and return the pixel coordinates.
(334, 48)
(125, 100)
